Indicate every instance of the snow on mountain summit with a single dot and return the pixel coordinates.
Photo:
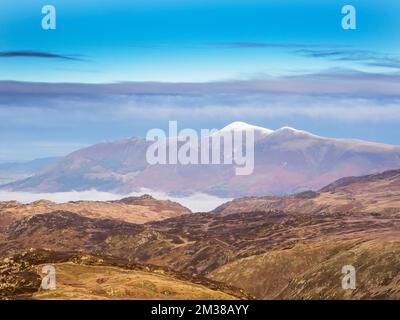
(292, 131)
(243, 126)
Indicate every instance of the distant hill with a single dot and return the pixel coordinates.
(377, 193)
(133, 209)
(13, 171)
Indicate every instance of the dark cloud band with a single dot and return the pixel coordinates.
(261, 45)
(369, 58)
(36, 54)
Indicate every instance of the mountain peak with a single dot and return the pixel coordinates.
(243, 126)
(133, 200)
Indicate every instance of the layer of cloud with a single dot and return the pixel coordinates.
(330, 82)
(198, 202)
(261, 45)
(369, 58)
(36, 54)
(62, 111)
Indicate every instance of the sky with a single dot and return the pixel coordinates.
(135, 65)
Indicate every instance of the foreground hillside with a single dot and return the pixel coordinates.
(269, 256)
(292, 247)
(92, 277)
(313, 270)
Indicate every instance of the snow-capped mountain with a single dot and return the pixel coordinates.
(285, 160)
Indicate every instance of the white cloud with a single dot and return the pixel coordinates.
(349, 109)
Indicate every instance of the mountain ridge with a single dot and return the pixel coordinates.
(286, 160)
(374, 194)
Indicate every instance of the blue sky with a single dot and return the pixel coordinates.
(196, 42)
(187, 40)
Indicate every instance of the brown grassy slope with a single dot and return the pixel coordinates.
(259, 252)
(377, 265)
(80, 276)
(196, 243)
(313, 271)
(378, 193)
(134, 209)
(249, 249)
(80, 282)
